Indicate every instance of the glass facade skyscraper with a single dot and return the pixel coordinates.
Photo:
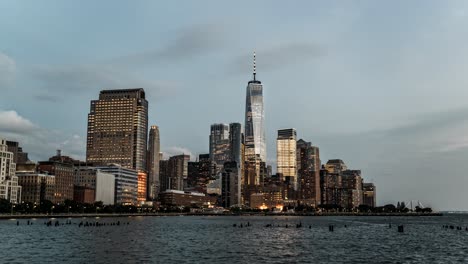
(286, 155)
(255, 145)
(153, 163)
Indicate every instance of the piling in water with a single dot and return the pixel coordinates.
(400, 229)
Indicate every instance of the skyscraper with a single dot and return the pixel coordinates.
(153, 163)
(219, 145)
(255, 146)
(118, 129)
(308, 171)
(286, 155)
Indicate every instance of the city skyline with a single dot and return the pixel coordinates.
(370, 116)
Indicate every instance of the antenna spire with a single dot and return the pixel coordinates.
(254, 67)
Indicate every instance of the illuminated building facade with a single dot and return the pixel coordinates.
(286, 155)
(118, 129)
(142, 187)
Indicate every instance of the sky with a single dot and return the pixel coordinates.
(381, 85)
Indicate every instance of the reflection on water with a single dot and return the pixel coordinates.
(191, 239)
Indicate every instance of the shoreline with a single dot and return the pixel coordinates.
(43, 216)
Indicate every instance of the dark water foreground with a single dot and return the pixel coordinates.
(213, 239)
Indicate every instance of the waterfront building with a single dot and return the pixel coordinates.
(352, 188)
(173, 172)
(181, 198)
(369, 194)
(94, 184)
(64, 178)
(118, 129)
(254, 134)
(36, 187)
(286, 155)
(126, 183)
(308, 171)
(153, 163)
(9, 188)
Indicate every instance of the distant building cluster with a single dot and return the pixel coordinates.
(124, 165)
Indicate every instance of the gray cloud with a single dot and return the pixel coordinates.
(11, 122)
(278, 57)
(7, 69)
(174, 150)
(88, 78)
(39, 142)
(187, 43)
(411, 161)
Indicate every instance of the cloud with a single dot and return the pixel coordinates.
(173, 151)
(79, 79)
(7, 69)
(11, 122)
(279, 57)
(187, 43)
(39, 142)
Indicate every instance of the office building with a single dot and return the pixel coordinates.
(126, 183)
(95, 181)
(36, 187)
(173, 172)
(286, 155)
(308, 171)
(118, 129)
(219, 145)
(9, 188)
(254, 134)
(230, 185)
(153, 163)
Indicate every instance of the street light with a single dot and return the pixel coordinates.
(12, 206)
(52, 209)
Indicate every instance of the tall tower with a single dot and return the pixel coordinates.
(286, 155)
(255, 146)
(153, 163)
(118, 129)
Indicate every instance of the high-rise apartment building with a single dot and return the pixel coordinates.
(286, 155)
(118, 129)
(9, 188)
(308, 171)
(153, 163)
(255, 144)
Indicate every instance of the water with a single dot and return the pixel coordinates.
(197, 239)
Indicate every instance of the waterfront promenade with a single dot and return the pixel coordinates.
(101, 215)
